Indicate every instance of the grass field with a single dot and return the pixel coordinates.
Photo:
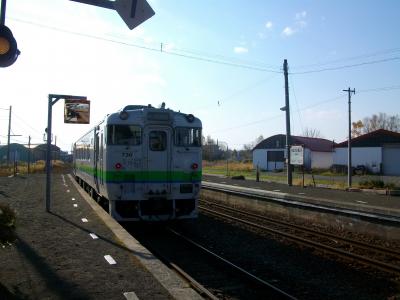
(318, 177)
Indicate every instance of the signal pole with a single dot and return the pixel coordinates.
(349, 163)
(8, 137)
(286, 108)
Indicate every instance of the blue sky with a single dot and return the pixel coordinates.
(222, 61)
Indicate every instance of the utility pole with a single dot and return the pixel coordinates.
(349, 168)
(286, 108)
(8, 137)
(29, 155)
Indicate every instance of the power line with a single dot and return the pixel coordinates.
(310, 106)
(239, 92)
(347, 66)
(159, 50)
(278, 116)
(387, 88)
(377, 53)
(197, 52)
(21, 119)
(297, 104)
(249, 124)
(216, 61)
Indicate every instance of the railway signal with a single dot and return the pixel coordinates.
(8, 47)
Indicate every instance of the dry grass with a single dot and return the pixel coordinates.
(36, 167)
(233, 166)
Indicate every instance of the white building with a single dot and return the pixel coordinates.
(378, 151)
(270, 154)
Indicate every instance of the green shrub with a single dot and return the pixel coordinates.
(7, 223)
(370, 184)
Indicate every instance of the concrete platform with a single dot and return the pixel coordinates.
(76, 251)
(366, 202)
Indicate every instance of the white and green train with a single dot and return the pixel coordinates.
(143, 162)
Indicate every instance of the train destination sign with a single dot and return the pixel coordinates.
(77, 111)
(297, 155)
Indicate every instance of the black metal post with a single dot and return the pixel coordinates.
(52, 100)
(3, 12)
(48, 152)
(8, 137)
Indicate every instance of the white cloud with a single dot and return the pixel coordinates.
(301, 15)
(300, 19)
(299, 24)
(268, 25)
(240, 50)
(288, 31)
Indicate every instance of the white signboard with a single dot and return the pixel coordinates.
(297, 155)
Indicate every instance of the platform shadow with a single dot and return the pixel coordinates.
(140, 254)
(54, 283)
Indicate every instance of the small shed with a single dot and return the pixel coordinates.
(39, 152)
(270, 154)
(378, 151)
(17, 152)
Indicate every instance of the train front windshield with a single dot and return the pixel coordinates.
(124, 135)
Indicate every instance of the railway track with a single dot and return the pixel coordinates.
(370, 255)
(213, 276)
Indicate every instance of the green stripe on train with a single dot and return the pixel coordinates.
(122, 175)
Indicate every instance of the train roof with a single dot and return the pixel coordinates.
(151, 113)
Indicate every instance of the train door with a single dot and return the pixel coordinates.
(158, 148)
(96, 160)
(74, 158)
(101, 158)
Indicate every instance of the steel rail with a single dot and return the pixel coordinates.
(360, 244)
(237, 268)
(203, 291)
(381, 265)
(296, 201)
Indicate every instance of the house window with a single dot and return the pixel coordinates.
(275, 156)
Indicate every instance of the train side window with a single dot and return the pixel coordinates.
(187, 137)
(124, 135)
(157, 140)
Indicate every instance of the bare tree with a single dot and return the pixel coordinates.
(357, 128)
(247, 148)
(379, 121)
(312, 132)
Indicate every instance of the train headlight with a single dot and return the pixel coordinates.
(118, 166)
(195, 166)
(190, 118)
(123, 115)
